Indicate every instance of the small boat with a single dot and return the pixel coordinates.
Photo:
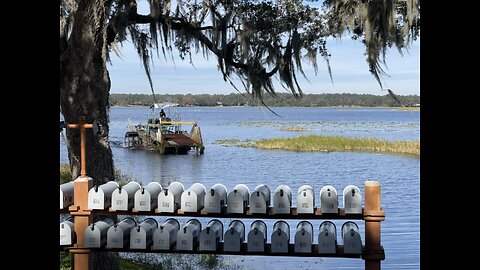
(165, 134)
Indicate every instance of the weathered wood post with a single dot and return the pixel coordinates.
(373, 215)
(79, 210)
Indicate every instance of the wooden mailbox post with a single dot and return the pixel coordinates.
(373, 214)
(79, 210)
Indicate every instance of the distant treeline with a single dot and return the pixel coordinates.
(281, 100)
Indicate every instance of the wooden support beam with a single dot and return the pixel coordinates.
(79, 210)
(270, 215)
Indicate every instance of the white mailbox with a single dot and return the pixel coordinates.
(234, 236)
(211, 235)
(282, 200)
(169, 199)
(352, 200)
(329, 200)
(165, 236)
(141, 236)
(66, 195)
(188, 236)
(352, 243)
(95, 235)
(118, 235)
(257, 236)
(237, 199)
(260, 199)
(67, 232)
(146, 199)
(304, 237)
(280, 237)
(193, 198)
(122, 197)
(327, 238)
(306, 200)
(100, 197)
(216, 199)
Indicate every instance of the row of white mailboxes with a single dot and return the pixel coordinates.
(169, 200)
(190, 236)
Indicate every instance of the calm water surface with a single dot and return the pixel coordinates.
(399, 175)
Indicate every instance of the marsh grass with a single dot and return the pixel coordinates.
(409, 109)
(234, 142)
(65, 174)
(294, 129)
(317, 143)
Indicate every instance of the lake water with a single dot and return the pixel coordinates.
(399, 175)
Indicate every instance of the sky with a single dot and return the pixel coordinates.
(348, 64)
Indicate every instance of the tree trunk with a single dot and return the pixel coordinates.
(84, 90)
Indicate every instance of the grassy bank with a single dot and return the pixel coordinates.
(66, 175)
(416, 109)
(317, 143)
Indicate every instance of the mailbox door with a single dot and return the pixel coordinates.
(256, 242)
(184, 240)
(66, 235)
(119, 200)
(142, 201)
(305, 204)
(235, 203)
(303, 242)
(166, 203)
(279, 242)
(138, 239)
(208, 240)
(329, 200)
(327, 243)
(161, 239)
(258, 203)
(92, 239)
(327, 238)
(352, 243)
(212, 203)
(281, 204)
(96, 200)
(352, 200)
(231, 241)
(115, 237)
(353, 205)
(189, 202)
